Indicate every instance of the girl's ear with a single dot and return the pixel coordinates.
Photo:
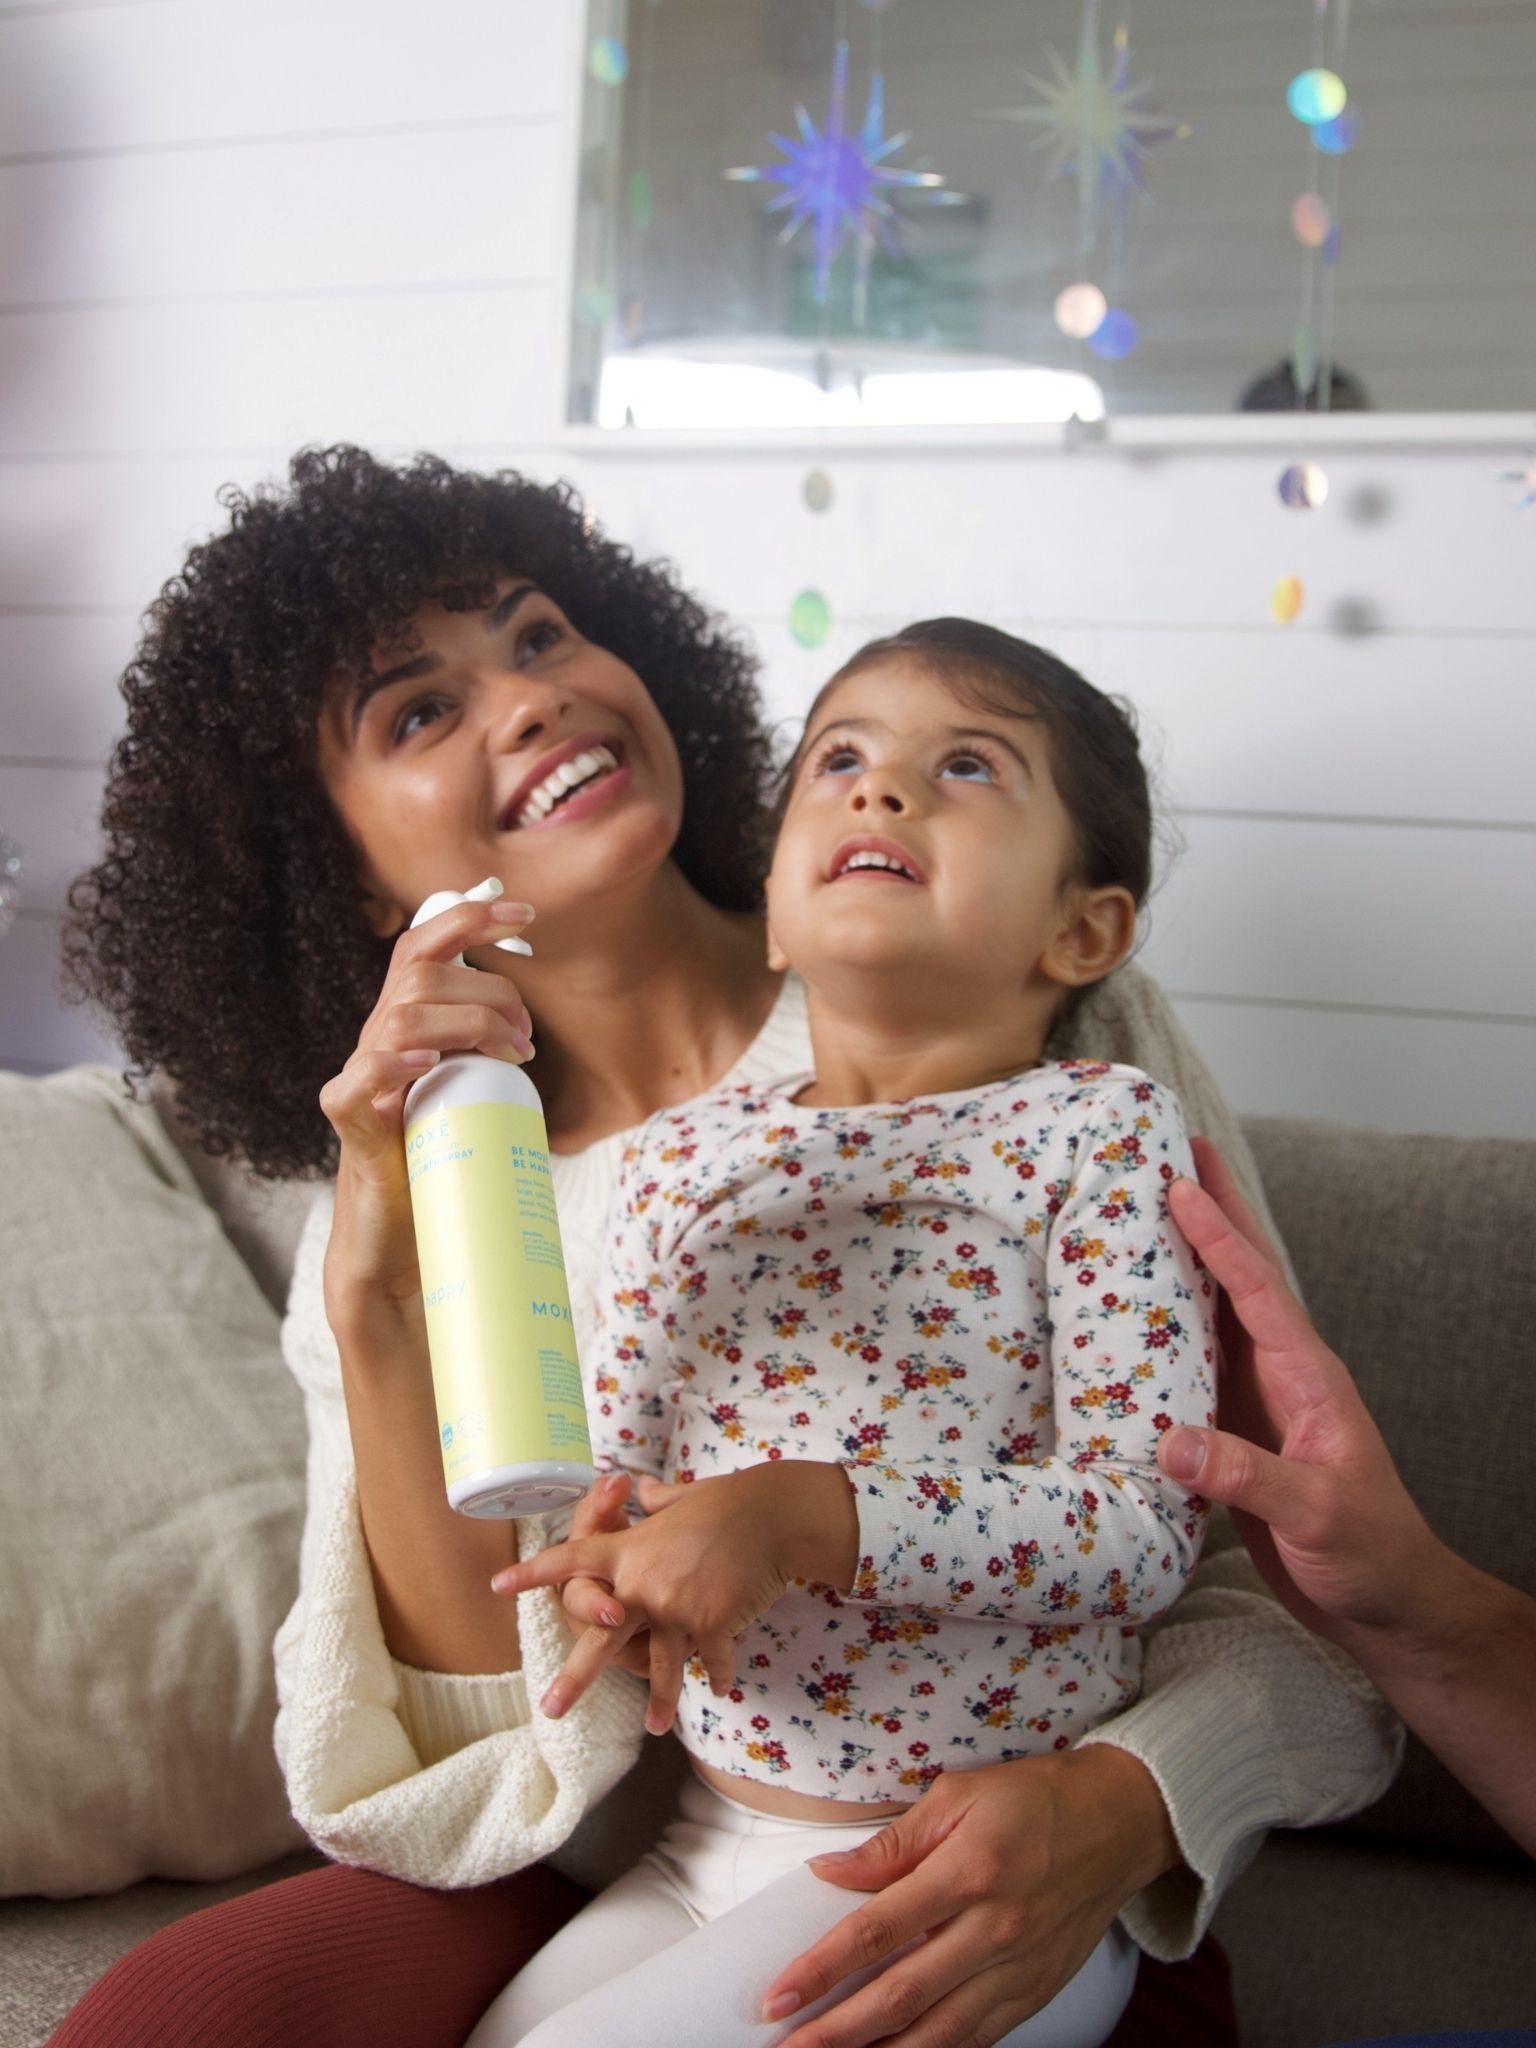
(1098, 929)
(776, 960)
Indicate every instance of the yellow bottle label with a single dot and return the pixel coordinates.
(504, 1363)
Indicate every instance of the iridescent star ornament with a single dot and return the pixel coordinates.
(1095, 122)
(838, 181)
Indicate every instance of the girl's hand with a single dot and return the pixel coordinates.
(1010, 1875)
(711, 1557)
(429, 1005)
(588, 1603)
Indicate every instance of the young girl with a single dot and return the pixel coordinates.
(903, 1336)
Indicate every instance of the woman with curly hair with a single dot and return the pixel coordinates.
(378, 683)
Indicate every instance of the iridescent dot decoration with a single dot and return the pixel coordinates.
(1285, 600)
(1080, 310)
(641, 199)
(810, 618)
(816, 490)
(1115, 336)
(1338, 136)
(1311, 222)
(1314, 96)
(593, 304)
(1526, 476)
(1331, 243)
(608, 60)
(1303, 486)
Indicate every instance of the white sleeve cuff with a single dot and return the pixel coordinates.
(442, 1712)
(1246, 1722)
(491, 1787)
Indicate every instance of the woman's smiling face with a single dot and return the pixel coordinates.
(499, 742)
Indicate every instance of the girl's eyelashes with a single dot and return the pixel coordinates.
(836, 759)
(970, 765)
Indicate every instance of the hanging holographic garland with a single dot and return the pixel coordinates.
(836, 180)
(1099, 128)
(1319, 100)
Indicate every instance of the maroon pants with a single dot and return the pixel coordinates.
(342, 1958)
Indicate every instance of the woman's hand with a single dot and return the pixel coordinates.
(1312, 1486)
(1334, 1530)
(1010, 1874)
(429, 1005)
(429, 1565)
(708, 1560)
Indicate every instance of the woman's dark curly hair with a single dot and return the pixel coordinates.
(223, 931)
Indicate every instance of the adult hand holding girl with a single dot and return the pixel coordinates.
(1335, 1532)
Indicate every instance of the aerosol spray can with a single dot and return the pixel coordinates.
(510, 1413)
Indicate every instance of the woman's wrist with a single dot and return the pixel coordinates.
(1443, 1621)
(1136, 1824)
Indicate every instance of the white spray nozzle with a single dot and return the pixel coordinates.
(483, 892)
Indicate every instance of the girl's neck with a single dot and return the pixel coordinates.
(899, 1052)
(654, 998)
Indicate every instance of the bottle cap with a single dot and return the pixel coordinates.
(483, 892)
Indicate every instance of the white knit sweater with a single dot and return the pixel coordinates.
(1245, 1721)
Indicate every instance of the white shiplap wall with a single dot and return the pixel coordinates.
(230, 228)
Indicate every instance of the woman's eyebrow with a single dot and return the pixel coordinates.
(503, 609)
(418, 665)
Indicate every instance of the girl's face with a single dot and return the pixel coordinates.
(502, 744)
(921, 836)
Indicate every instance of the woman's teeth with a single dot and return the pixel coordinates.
(562, 780)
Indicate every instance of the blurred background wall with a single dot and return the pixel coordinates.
(229, 227)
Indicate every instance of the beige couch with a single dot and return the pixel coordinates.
(151, 1487)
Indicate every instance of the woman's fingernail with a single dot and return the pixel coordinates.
(504, 1582)
(1183, 1454)
(781, 2007)
(609, 1617)
(834, 1856)
(523, 1044)
(419, 1059)
(506, 912)
(552, 1705)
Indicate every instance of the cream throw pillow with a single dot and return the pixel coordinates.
(151, 1493)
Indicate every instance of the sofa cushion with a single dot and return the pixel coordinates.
(53, 1950)
(1414, 1256)
(151, 1488)
(1334, 1939)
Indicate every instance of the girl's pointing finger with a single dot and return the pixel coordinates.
(587, 1558)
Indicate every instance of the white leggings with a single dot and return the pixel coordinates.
(679, 1951)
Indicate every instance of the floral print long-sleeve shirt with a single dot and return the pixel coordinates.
(976, 1303)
